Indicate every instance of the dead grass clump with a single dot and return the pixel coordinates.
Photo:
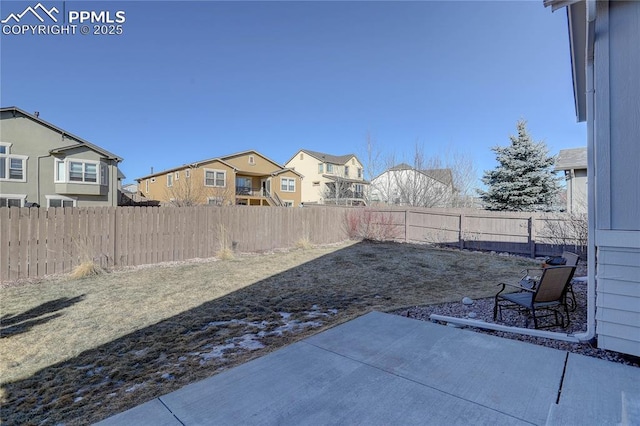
(304, 244)
(88, 268)
(224, 243)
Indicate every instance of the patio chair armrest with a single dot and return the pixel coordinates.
(519, 287)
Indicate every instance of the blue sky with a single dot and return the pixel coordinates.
(188, 81)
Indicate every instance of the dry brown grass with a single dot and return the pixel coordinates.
(87, 268)
(77, 351)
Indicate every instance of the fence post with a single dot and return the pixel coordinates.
(406, 224)
(532, 240)
(461, 232)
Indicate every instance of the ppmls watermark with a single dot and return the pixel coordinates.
(40, 20)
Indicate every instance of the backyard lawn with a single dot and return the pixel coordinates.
(77, 351)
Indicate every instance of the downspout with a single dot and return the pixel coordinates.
(590, 333)
(591, 170)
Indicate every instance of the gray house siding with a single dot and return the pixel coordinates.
(29, 137)
(616, 156)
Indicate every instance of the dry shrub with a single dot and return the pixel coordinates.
(366, 224)
(304, 244)
(224, 243)
(87, 268)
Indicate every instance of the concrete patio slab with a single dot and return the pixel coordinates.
(597, 392)
(385, 369)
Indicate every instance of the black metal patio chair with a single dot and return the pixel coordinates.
(548, 295)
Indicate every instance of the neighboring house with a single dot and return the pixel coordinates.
(244, 178)
(330, 179)
(573, 162)
(403, 185)
(605, 59)
(43, 164)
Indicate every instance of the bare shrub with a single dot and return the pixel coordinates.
(568, 230)
(367, 224)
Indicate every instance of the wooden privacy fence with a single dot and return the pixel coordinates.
(38, 242)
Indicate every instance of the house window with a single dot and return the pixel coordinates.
(82, 171)
(316, 183)
(215, 178)
(215, 201)
(187, 173)
(329, 168)
(12, 200)
(302, 156)
(12, 167)
(346, 171)
(146, 185)
(169, 180)
(287, 185)
(252, 160)
(359, 172)
(320, 168)
(59, 201)
(287, 203)
(359, 190)
(177, 175)
(153, 180)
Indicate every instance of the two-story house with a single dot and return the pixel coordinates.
(573, 162)
(45, 165)
(244, 178)
(404, 185)
(330, 179)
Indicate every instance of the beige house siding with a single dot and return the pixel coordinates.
(27, 136)
(318, 168)
(249, 179)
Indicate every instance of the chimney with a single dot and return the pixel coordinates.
(151, 170)
(37, 114)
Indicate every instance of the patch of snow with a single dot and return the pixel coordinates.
(134, 387)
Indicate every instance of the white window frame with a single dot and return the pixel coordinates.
(215, 178)
(6, 158)
(169, 180)
(346, 171)
(287, 184)
(102, 171)
(21, 197)
(187, 173)
(215, 201)
(176, 175)
(153, 180)
(329, 168)
(61, 198)
(320, 168)
(252, 160)
(146, 185)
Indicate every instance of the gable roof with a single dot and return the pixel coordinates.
(220, 159)
(64, 133)
(327, 158)
(444, 176)
(574, 158)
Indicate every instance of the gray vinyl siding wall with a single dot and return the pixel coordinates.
(617, 176)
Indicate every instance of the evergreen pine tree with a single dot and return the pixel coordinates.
(524, 180)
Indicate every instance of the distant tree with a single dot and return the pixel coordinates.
(524, 180)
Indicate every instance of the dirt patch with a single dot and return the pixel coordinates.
(77, 351)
